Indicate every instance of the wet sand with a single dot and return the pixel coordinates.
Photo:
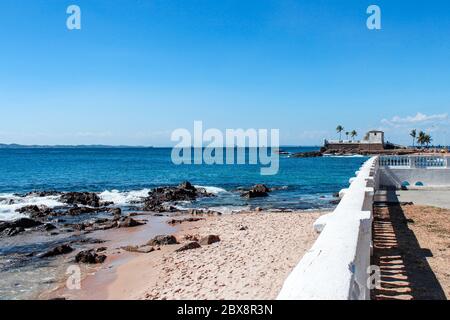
(256, 253)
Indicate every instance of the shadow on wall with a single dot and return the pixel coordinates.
(405, 272)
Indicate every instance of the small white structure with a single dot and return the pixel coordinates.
(374, 136)
(372, 141)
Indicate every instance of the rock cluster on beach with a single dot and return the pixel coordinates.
(11, 228)
(257, 191)
(90, 257)
(159, 198)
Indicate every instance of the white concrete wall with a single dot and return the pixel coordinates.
(335, 267)
(395, 172)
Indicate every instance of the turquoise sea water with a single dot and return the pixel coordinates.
(121, 174)
(125, 176)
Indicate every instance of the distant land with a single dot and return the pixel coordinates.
(98, 146)
(102, 146)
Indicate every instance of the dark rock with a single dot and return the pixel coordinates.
(47, 227)
(335, 202)
(189, 246)
(159, 198)
(204, 212)
(76, 210)
(35, 212)
(259, 190)
(179, 221)
(89, 256)
(133, 214)
(116, 211)
(9, 232)
(162, 240)
(63, 249)
(186, 185)
(310, 154)
(88, 241)
(84, 198)
(243, 228)
(18, 225)
(129, 223)
(209, 239)
(101, 249)
(139, 249)
(191, 237)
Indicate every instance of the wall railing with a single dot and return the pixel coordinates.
(415, 161)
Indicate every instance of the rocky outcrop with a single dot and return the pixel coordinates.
(180, 221)
(129, 223)
(139, 249)
(209, 239)
(162, 240)
(310, 154)
(159, 199)
(82, 198)
(258, 190)
(90, 257)
(204, 212)
(12, 228)
(35, 212)
(106, 224)
(59, 250)
(189, 246)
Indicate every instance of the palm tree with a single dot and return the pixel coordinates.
(421, 138)
(339, 130)
(427, 139)
(413, 134)
(353, 134)
(346, 134)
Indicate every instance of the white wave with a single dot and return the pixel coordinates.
(213, 190)
(230, 209)
(9, 203)
(123, 198)
(344, 156)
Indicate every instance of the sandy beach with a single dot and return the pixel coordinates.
(256, 252)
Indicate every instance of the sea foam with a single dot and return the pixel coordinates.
(9, 203)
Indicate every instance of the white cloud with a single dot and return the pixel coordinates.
(419, 118)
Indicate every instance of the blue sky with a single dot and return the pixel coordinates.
(139, 69)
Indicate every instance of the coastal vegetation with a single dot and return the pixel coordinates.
(352, 134)
(422, 138)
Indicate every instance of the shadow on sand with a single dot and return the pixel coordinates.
(405, 271)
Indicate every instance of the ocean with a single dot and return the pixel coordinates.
(123, 175)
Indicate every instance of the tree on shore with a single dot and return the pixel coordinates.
(427, 140)
(339, 130)
(413, 134)
(346, 134)
(353, 134)
(421, 138)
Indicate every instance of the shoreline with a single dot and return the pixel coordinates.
(245, 264)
